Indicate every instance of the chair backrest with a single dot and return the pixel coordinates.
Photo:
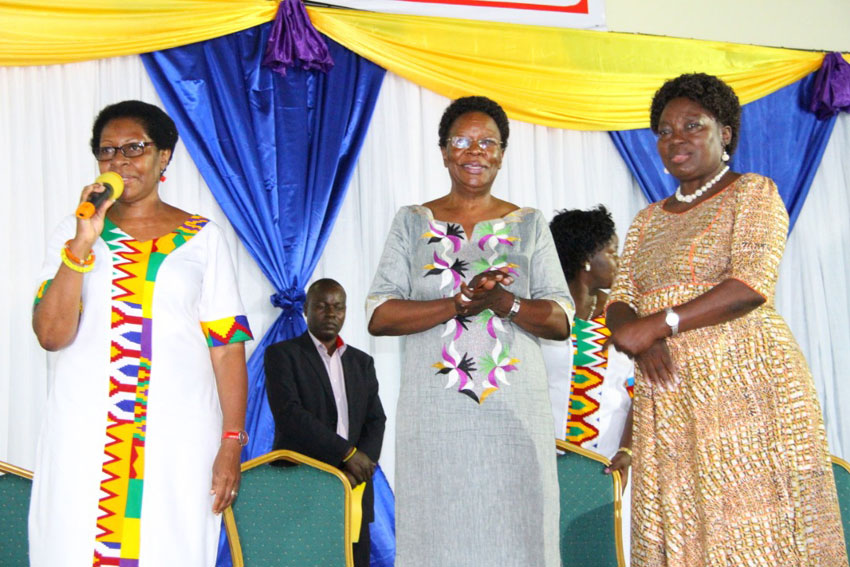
(290, 516)
(15, 488)
(841, 470)
(591, 526)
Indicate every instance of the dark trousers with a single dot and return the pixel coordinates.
(362, 549)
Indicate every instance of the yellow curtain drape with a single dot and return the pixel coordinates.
(565, 78)
(560, 77)
(39, 32)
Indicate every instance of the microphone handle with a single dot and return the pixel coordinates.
(88, 208)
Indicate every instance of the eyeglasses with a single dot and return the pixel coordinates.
(465, 142)
(133, 149)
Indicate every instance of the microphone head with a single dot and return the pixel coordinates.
(113, 180)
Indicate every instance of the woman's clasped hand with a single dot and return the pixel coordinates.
(645, 341)
(485, 291)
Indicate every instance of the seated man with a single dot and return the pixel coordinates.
(324, 397)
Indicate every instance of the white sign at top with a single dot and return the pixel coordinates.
(583, 14)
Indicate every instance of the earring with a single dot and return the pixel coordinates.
(665, 171)
(725, 156)
(162, 176)
(587, 266)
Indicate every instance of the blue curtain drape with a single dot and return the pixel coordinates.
(277, 153)
(780, 138)
(382, 528)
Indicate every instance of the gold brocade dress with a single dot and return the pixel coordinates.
(731, 466)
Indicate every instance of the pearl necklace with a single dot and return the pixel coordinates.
(698, 193)
(592, 309)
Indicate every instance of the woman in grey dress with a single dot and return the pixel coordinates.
(472, 281)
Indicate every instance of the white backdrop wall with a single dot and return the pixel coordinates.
(760, 22)
(46, 113)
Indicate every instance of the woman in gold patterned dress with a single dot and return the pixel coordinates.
(731, 465)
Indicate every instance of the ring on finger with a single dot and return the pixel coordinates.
(234, 492)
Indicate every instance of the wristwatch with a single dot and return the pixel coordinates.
(672, 320)
(241, 436)
(514, 309)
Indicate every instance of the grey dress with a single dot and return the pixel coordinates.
(475, 471)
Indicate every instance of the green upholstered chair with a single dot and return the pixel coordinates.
(15, 488)
(841, 470)
(293, 516)
(591, 526)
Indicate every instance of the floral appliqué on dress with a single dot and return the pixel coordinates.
(476, 378)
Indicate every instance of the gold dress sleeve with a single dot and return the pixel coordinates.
(758, 235)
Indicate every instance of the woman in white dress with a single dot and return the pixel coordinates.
(599, 413)
(141, 443)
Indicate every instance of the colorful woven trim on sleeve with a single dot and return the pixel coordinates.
(39, 295)
(42, 289)
(227, 331)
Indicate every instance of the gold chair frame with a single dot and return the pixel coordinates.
(840, 462)
(618, 493)
(846, 466)
(293, 457)
(10, 468)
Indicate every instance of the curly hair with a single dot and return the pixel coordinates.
(708, 91)
(579, 235)
(157, 124)
(467, 104)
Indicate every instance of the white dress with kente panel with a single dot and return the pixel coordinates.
(133, 422)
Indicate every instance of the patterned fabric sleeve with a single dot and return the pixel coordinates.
(758, 235)
(222, 316)
(52, 260)
(42, 289)
(547, 278)
(226, 331)
(624, 287)
(392, 277)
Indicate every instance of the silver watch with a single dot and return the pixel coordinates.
(514, 309)
(672, 320)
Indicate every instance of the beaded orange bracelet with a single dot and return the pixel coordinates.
(87, 262)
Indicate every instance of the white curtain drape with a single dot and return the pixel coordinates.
(813, 293)
(44, 163)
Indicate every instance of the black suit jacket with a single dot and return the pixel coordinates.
(302, 402)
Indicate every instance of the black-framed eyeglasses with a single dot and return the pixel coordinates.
(133, 149)
(465, 142)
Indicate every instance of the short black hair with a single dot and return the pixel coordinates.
(579, 235)
(318, 285)
(467, 104)
(708, 91)
(157, 124)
